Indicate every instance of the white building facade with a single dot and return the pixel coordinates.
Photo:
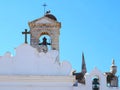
(37, 66)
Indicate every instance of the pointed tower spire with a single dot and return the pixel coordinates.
(84, 70)
(113, 68)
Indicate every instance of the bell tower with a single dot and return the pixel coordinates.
(45, 26)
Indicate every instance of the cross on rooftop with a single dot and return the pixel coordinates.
(44, 5)
(26, 32)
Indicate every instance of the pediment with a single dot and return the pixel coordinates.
(43, 20)
(96, 72)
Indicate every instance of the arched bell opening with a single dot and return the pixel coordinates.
(95, 83)
(45, 41)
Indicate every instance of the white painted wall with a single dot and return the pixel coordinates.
(21, 82)
(28, 61)
(36, 82)
(30, 70)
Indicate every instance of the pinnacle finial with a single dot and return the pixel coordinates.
(84, 70)
(113, 62)
(113, 68)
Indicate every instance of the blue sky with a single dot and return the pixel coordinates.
(89, 26)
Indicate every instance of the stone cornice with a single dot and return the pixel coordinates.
(47, 25)
(29, 78)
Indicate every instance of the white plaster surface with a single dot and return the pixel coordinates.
(31, 70)
(28, 61)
